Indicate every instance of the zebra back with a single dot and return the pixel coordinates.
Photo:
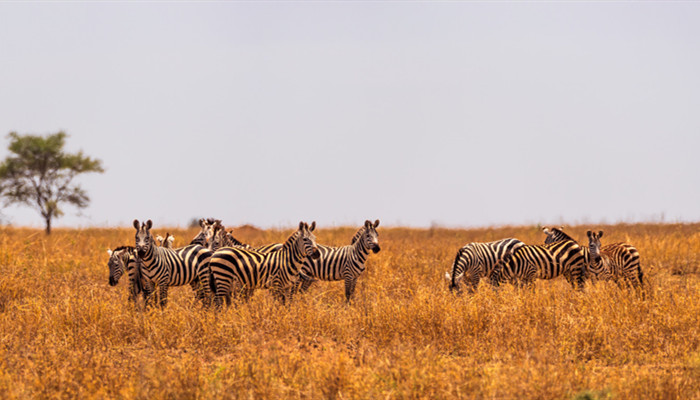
(477, 260)
(563, 257)
(250, 269)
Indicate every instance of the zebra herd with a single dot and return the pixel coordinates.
(219, 267)
(510, 260)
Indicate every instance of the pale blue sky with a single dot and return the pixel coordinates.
(416, 113)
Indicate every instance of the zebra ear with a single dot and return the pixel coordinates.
(588, 233)
(301, 225)
(109, 252)
(149, 225)
(447, 276)
(313, 226)
(136, 224)
(376, 223)
(201, 222)
(600, 234)
(545, 230)
(368, 223)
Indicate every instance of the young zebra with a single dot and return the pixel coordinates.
(477, 260)
(122, 259)
(564, 257)
(248, 269)
(346, 263)
(620, 260)
(167, 267)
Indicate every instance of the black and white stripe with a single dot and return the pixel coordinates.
(564, 257)
(124, 259)
(616, 261)
(168, 267)
(345, 263)
(475, 261)
(239, 270)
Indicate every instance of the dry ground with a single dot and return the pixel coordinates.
(64, 333)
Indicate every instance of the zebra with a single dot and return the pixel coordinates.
(166, 241)
(223, 238)
(622, 260)
(477, 260)
(249, 269)
(166, 267)
(206, 232)
(122, 259)
(564, 257)
(345, 263)
(609, 262)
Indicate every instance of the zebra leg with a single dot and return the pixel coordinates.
(349, 287)
(163, 298)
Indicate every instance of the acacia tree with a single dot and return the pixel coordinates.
(39, 173)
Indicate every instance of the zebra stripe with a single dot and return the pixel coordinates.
(122, 259)
(477, 260)
(613, 261)
(622, 260)
(223, 238)
(204, 237)
(248, 269)
(564, 257)
(342, 263)
(167, 267)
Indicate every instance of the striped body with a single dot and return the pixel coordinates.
(547, 261)
(124, 259)
(239, 270)
(345, 263)
(165, 267)
(616, 261)
(475, 261)
(620, 259)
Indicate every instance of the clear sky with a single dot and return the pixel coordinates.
(416, 113)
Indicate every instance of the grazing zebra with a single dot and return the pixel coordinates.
(610, 262)
(122, 259)
(477, 260)
(167, 267)
(564, 257)
(346, 263)
(248, 269)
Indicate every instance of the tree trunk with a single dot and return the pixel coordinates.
(48, 224)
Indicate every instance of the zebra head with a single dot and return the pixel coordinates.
(463, 258)
(370, 236)
(116, 265)
(594, 245)
(306, 241)
(206, 234)
(143, 238)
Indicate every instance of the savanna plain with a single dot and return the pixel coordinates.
(65, 333)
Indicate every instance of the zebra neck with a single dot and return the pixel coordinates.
(360, 249)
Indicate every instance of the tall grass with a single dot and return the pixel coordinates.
(64, 333)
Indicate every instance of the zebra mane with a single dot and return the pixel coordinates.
(130, 248)
(557, 234)
(358, 234)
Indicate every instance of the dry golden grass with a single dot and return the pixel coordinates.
(64, 333)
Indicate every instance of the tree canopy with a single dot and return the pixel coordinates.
(39, 173)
